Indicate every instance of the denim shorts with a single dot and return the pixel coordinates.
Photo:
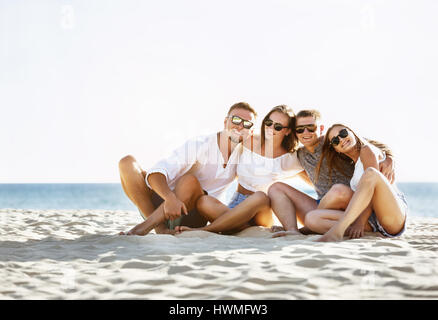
(236, 199)
(377, 227)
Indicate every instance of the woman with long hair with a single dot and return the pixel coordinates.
(265, 158)
(376, 205)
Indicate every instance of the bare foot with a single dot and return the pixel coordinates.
(276, 229)
(138, 230)
(180, 229)
(306, 231)
(168, 231)
(164, 230)
(125, 233)
(286, 233)
(330, 236)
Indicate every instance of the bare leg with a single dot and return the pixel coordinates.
(290, 205)
(264, 217)
(234, 219)
(133, 183)
(210, 207)
(336, 200)
(321, 220)
(187, 189)
(373, 187)
(338, 197)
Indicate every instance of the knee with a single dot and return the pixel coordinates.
(126, 162)
(188, 188)
(275, 189)
(310, 220)
(188, 182)
(261, 198)
(341, 192)
(371, 174)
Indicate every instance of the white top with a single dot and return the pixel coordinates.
(257, 173)
(201, 157)
(358, 168)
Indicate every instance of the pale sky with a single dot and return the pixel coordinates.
(83, 83)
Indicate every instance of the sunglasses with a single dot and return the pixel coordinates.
(342, 134)
(277, 126)
(309, 127)
(238, 120)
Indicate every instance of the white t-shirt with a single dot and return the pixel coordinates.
(257, 173)
(201, 157)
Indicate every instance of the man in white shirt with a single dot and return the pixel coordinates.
(166, 194)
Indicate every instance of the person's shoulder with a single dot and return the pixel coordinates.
(368, 151)
(292, 155)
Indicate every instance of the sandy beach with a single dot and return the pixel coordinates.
(76, 254)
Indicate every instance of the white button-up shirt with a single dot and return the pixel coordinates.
(201, 157)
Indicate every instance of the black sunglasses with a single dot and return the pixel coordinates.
(277, 126)
(309, 127)
(342, 134)
(238, 120)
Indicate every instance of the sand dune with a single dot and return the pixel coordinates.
(65, 254)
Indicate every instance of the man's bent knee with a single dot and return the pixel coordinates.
(127, 162)
(188, 186)
(188, 181)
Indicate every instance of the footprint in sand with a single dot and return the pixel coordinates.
(312, 263)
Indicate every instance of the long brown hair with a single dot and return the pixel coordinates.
(334, 158)
(290, 142)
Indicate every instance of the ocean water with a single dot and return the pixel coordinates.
(422, 197)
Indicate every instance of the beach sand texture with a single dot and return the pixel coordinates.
(76, 254)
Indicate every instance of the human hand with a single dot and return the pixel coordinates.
(286, 233)
(356, 230)
(173, 207)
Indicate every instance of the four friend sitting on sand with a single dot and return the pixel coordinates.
(182, 192)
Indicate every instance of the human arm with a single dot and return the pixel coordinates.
(386, 167)
(303, 175)
(173, 207)
(357, 228)
(162, 176)
(368, 158)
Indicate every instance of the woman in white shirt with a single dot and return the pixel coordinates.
(376, 204)
(264, 159)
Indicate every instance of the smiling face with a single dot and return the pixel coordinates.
(237, 132)
(307, 137)
(342, 139)
(277, 119)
